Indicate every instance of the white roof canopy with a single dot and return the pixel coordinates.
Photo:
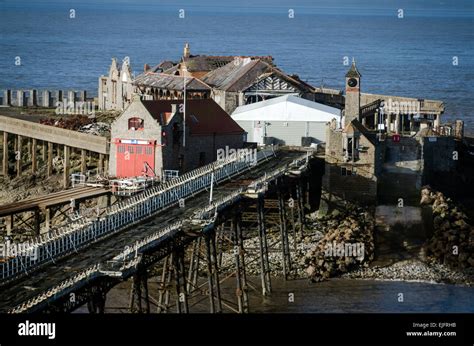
(287, 108)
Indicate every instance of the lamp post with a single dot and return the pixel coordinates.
(184, 107)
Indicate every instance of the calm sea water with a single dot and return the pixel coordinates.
(333, 296)
(412, 56)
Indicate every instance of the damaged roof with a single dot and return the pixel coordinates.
(236, 75)
(357, 125)
(199, 63)
(170, 82)
(203, 116)
(241, 74)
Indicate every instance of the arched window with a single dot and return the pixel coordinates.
(135, 124)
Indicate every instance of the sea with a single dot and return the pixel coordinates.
(417, 48)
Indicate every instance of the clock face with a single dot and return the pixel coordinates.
(352, 82)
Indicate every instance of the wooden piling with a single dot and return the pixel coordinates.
(5, 154)
(67, 166)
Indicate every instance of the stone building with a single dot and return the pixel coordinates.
(384, 149)
(147, 138)
(249, 80)
(231, 81)
(116, 89)
(354, 160)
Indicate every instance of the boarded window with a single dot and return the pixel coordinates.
(177, 134)
(202, 158)
(345, 171)
(135, 124)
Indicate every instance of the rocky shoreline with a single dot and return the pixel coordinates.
(415, 270)
(452, 242)
(354, 225)
(347, 244)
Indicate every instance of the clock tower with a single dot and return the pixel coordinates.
(352, 106)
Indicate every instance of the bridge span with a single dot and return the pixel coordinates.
(174, 226)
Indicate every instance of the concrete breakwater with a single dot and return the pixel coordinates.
(41, 98)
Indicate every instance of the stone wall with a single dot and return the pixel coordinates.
(361, 185)
(438, 156)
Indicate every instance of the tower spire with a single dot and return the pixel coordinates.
(353, 72)
(186, 51)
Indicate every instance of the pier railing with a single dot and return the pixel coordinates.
(83, 231)
(129, 258)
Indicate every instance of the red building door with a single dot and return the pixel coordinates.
(133, 156)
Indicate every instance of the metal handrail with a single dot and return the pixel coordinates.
(86, 230)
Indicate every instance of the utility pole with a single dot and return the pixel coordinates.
(184, 108)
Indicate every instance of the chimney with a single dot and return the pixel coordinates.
(186, 52)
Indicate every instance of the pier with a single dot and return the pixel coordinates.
(84, 259)
(44, 143)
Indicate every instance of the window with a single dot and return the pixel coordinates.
(346, 171)
(177, 134)
(202, 158)
(351, 148)
(135, 124)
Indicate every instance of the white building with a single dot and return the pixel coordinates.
(286, 120)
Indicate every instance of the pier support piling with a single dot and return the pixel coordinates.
(300, 203)
(164, 293)
(49, 164)
(18, 155)
(180, 280)
(215, 302)
(67, 166)
(5, 154)
(241, 279)
(264, 262)
(193, 272)
(83, 161)
(96, 304)
(136, 294)
(33, 155)
(285, 244)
